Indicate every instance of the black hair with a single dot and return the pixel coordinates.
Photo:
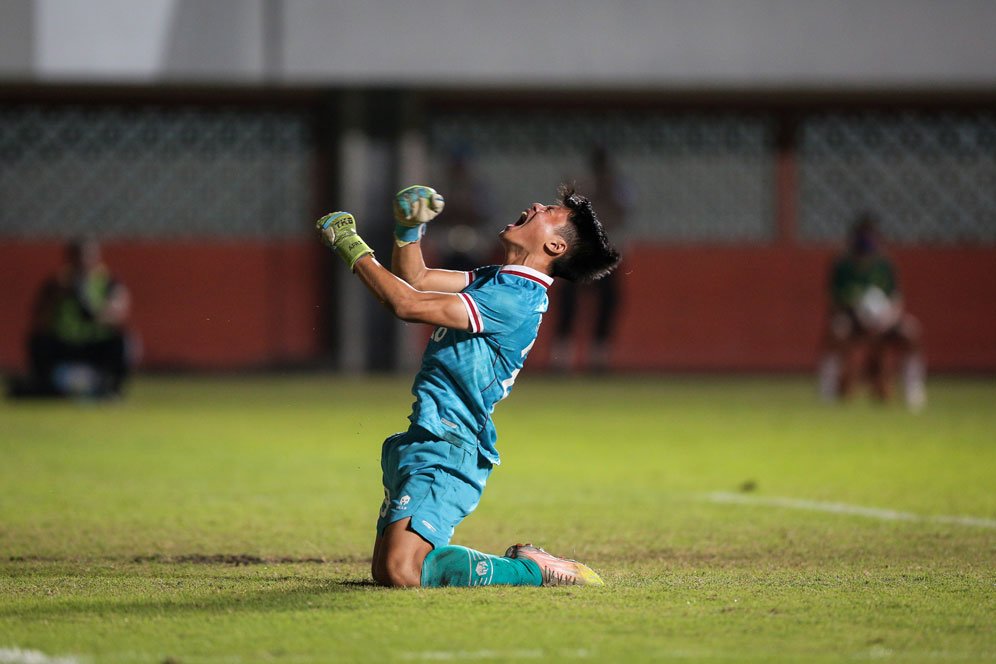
(865, 221)
(863, 238)
(75, 247)
(589, 254)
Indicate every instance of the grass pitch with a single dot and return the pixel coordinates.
(734, 520)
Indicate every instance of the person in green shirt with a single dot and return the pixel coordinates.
(868, 324)
(78, 342)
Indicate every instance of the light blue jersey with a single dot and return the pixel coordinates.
(464, 374)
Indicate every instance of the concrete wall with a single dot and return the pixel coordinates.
(17, 23)
(560, 43)
(151, 40)
(579, 43)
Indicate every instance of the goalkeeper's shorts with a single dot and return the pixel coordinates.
(435, 482)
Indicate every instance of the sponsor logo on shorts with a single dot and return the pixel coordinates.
(428, 525)
(482, 568)
(403, 503)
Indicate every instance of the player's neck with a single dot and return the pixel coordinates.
(515, 255)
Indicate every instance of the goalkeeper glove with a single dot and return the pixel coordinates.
(338, 231)
(413, 207)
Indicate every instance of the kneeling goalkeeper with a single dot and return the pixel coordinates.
(486, 323)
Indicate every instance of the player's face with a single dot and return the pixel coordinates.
(536, 226)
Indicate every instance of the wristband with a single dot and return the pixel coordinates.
(352, 248)
(404, 234)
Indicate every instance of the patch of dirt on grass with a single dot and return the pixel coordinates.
(236, 559)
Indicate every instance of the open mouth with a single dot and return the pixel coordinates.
(523, 218)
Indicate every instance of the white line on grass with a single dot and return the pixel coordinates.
(464, 655)
(844, 508)
(20, 656)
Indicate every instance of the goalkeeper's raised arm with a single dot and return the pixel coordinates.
(414, 208)
(338, 232)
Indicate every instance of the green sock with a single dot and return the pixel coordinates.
(460, 566)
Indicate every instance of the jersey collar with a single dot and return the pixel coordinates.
(543, 280)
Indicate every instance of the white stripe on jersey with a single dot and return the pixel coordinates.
(476, 322)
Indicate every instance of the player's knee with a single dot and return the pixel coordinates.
(401, 568)
(402, 574)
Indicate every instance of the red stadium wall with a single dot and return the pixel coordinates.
(233, 305)
(763, 308)
(197, 304)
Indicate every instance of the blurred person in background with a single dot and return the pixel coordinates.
(78, 343)
(868, 325)
(463, 239)
(613, 196)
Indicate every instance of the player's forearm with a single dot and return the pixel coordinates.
(389, 289)
(394, 293)
(408, 263)
(408, 303)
